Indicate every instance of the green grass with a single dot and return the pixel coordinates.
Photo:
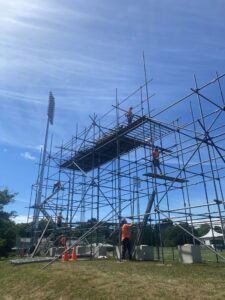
(171, 254)
(109, 279)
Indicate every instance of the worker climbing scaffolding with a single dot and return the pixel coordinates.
(57, 186)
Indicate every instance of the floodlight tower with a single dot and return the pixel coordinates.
(50, 114)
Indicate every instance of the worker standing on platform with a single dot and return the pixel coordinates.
(155, 161)
(57, 186)
(130, 115)
(125, 238)
(59, 219)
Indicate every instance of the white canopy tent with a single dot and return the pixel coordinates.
(212, 236)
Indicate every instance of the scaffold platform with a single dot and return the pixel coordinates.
(115, 143)
(181, 180)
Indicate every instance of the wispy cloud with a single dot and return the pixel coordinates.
(37, 147)
(28, 155)
(20, 219)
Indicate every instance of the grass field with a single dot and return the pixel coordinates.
(171, 254)
(109, 279)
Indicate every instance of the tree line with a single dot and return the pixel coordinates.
(165, 234)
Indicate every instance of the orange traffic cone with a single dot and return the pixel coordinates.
(65, 256)
(74, 254)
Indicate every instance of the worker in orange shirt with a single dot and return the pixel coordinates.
(62, 240)
(125, 238)
(156, 162)
(129, 115)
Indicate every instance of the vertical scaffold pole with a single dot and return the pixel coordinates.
(186, 183)
(118, 171)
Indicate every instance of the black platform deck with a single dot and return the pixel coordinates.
(117, 141)
(106, 148)
(165, 177)
(97, 156)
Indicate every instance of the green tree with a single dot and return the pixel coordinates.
(7, 226)
(174, 235)
(203, 229)
(217, 229)
(23, 229)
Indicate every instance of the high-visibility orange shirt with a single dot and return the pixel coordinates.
(129, 113)
(62, 240)
(155, 154)
(126, 231)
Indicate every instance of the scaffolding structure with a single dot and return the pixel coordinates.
(106, 170)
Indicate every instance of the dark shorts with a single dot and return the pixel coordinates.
(155, 162)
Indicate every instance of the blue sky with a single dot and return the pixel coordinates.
(83, 50)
